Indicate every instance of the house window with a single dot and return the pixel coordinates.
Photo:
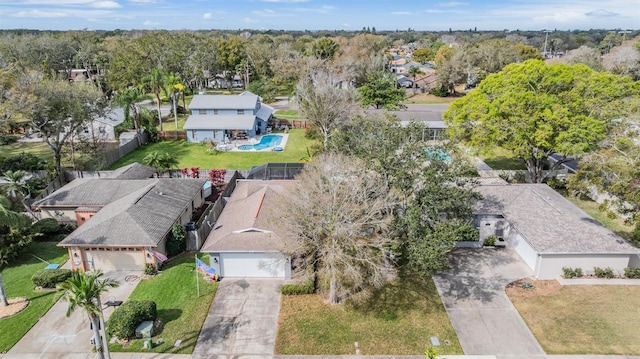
(85, 129)
(102, 129)
(240, 112)
(215, 111)
(193, 134)
(202, 112)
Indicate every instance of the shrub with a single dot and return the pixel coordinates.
(526, 285)
(8, 139)
(632, 273)
(298, 289)
(124, 320)
(23, 161)
(48, 278)
(177, 242)
(149, 269)
(572, 272)
(603, 272)
(47, 227)
(440, 91)
(490, 241)
(557, 183)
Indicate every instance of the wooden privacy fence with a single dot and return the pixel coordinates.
(123, 150)
(172, 135)
(205, 225)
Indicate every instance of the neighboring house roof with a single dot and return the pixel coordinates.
(432, 118)
(113, 117)
(265, 112)
(134, 171)
(220, 122)
(91, 192)
(143, 217)
(571, 163)
(244, 225)
(223, 102)
(550, 223)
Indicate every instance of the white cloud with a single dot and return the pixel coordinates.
(150, 23)
(207, 16)
(39, 13)
(105, 5)
(318, 10)
(346, 24)
(452, 4)
(602, 13)
(249, 20)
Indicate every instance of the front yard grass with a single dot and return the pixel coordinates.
(585, 319)
(397, 320)
(39, 149)
(17, 282)
(181, 311)
(288, 114)
(196, 155)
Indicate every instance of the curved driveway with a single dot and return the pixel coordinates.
(481, 313)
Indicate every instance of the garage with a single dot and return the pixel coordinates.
(528, 254)
(108, 260)
(254, 265)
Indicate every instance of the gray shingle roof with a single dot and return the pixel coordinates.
(220, 122)
(549, 222)
(92, 192)
(141, 218)
(113, 117)
(223, 102)
(247, 211)
(133, 171)
(265, 112)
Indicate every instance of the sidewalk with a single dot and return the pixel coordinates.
(598, 281)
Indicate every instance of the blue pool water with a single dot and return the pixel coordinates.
(437, 154)
(265, 142)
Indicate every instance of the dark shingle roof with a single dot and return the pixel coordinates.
(133, 171)
(141, 218)
(92, 192)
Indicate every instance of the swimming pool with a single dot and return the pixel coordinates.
(265, 142)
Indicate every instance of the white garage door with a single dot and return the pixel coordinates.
(528, 254)
(115, 260)
(257, 265)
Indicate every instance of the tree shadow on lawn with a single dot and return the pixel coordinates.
(407, 293)
(167, 316)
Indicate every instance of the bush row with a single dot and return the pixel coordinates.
(298, 289)
(629, 272)
(48, 278)
(124, 320)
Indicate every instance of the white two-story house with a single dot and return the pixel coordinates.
(221, 118)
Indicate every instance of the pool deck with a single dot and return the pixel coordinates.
(237, 143)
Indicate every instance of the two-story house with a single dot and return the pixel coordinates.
(220, 118)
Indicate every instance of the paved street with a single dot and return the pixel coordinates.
(481, 313)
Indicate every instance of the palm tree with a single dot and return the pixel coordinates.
(7, 218)
(156, 81)
(173, 86)
(82, 290)
(414, 71)
(127, 99)
(16, 187)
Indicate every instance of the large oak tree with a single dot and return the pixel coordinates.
(534, 110)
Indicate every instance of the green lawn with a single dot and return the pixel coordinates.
(398, 320)
(584, 319)
(181, 311)
(501, 159)
(17, 281)
(288, 114)
(169, 124)
(196, 155)
(39, 149)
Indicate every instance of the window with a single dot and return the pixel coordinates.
(85, 129)
(102, 129)
(202, 112)
(193, 134)
(215, 111)
(240, 112)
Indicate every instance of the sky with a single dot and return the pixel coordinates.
(319, 14)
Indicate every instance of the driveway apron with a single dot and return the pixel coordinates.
(57, 336)
(481, 313)
(243, 319)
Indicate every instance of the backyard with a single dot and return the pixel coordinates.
(398, 320)
(198, 155)
(180, 310)
(582, 319)
(17, 281)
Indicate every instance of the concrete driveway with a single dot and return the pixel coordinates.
(57, 336)
(243, 319)
(481, 313)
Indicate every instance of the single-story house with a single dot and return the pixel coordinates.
(123, 220)
(103, 128)
(548, 231)
(243, 242)
(221, 118)
(431, 116)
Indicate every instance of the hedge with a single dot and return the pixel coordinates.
(48, 278)
(124, 320)
(298, 289)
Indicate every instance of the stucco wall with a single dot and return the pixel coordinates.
(62, 215)
(550, 265)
